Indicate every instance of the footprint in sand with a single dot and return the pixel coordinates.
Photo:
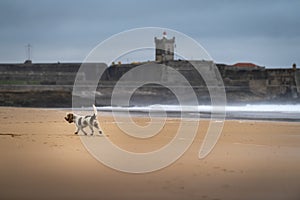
(226, 186)
(165, 187)
(226, 170)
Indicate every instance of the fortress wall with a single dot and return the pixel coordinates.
(297, 80)
(44, 74)
(114, 73)
(258, 87)
(21, 82)
(49, 78)
(281, 82)
(37, 85)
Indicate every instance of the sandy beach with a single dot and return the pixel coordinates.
(41, 158)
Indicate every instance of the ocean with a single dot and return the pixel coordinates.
(271, 112)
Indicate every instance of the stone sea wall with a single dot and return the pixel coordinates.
(50, 85)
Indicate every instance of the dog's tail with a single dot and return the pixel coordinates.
(95, 110)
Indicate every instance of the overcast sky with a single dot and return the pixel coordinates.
(263, 32)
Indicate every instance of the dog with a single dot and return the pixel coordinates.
(83, 121)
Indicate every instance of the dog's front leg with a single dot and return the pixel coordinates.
(96, 125)
(77, 130)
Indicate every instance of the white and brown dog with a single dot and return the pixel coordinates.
(83, 121)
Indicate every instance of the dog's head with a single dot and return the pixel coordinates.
(70, 118)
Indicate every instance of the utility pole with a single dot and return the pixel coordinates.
(28, 52)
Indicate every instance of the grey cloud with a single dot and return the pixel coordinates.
(51, 25)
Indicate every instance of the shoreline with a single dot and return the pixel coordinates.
(233, 115)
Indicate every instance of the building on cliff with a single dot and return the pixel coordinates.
(245, 65)
(164, 48)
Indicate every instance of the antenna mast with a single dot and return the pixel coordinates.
(28, 49)
(28, 52)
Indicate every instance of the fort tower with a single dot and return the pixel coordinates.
(164, 48)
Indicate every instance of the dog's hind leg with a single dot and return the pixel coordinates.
(85, 133)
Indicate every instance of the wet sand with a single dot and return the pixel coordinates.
(41, 158)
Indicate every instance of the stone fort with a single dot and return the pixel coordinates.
(51, 84)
